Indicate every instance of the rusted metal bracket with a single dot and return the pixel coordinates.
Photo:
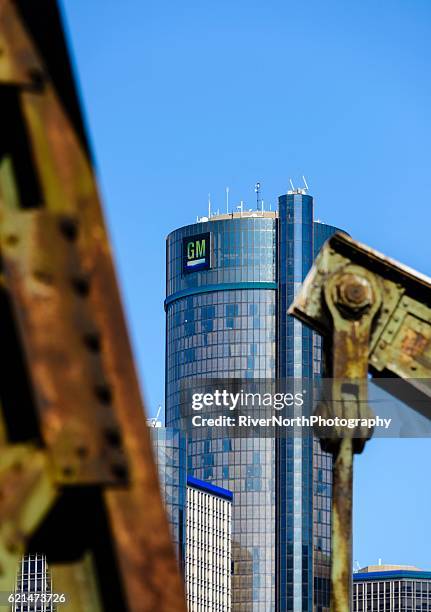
(375, 315)
(352, 297)
(400, 340)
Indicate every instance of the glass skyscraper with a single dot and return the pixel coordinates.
(230, 280)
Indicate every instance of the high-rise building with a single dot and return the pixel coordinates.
(391, 588)
(230, 280)
(33, 590)
(208, 547)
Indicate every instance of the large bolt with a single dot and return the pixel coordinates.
(354, 294)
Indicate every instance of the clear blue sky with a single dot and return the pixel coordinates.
(185, 98)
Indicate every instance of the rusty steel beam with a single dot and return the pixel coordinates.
(374, 315)
(341, 526)
(352, 298)
(81, 402)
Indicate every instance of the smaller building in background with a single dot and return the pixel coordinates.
(208, 547)
(33, 590)
(200, 516)
(391, 588)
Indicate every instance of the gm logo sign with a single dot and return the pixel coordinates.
(197, 253)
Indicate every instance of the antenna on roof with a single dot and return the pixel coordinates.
(257, 190)
(209, 205)
(291, 184)
(227, 200)
(305, 183)
(154, 421)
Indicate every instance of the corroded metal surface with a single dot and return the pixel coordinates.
(64, 344)
(341, 527)
(375, 315)
(27, 492)
(63, 302)
(400, 341)
(353, 298)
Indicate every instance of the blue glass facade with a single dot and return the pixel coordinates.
(230, 322)
(169, 446)
(303, 470)
(221, 323)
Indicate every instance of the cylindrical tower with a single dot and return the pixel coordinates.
(230, 280)
(221, 324)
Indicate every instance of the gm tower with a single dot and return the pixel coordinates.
(230, 280)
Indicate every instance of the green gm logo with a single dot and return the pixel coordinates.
(197, 253)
